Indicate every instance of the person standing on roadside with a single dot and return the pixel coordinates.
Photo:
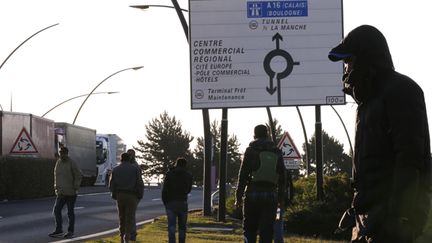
(392, 156)
(176, 187)
(67, 180)
(127, 188)
(261, 182)
(278, 226)
(133, 161)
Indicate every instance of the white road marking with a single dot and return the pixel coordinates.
(100, 234)
(156, 199)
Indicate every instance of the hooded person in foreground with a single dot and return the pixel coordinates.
(392, 156)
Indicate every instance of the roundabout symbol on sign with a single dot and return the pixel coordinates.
(271, 89)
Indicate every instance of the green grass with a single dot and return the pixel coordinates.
(156, 232)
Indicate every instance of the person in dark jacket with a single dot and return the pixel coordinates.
(132, 160)
(261, 182)
(392, 160)
(127, 188)
(176, 187)
(278, 226)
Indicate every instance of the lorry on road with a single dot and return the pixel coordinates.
(81, 143)
(109, 147)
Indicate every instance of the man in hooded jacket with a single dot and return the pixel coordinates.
(392, 157)
(261, 183)
(176, 187)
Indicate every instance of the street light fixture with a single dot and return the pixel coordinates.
(177, 9)
(132, 68)
(205, 113)
(155, 5)
(79, 96)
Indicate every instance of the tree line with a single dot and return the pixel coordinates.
(166, 140)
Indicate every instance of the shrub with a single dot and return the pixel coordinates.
(310, 217)
(26, 177)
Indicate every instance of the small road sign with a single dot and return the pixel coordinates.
(23, 144)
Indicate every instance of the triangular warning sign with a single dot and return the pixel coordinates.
(289, 150)
(23, 144)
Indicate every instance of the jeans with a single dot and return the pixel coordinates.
(278, 228)
(259, 213)
(177, 210)
(57, 211)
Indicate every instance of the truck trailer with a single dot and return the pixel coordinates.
(23, 134)
(81, 144)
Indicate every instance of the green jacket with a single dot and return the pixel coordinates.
(67, 177)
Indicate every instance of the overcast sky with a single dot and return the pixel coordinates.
(96, 38)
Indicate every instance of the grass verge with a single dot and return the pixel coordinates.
(200, 230)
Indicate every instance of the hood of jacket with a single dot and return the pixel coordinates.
(368, 45)
(262, 144)
(368, 49)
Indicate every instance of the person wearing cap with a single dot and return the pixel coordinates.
(67, 180)
(260, 187)
(392, 161)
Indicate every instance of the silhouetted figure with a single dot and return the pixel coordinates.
(392, 160)
(261, 182)
(176, 187)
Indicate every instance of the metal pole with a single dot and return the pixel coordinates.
(319, 153)
(181, 18)
(207, 164)
(306, 142)
(346, 131)
(133, 68)
(206, 119)
(223, 165)
(22, 43)
(271, 123)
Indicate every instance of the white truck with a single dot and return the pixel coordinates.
(109, 147)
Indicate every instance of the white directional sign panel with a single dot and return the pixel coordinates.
(264, 53)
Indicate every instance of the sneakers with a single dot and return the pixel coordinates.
(56, 233)
(68, 235)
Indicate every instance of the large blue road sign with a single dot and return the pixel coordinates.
(277, 9)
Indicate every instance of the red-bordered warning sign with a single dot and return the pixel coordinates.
(289, 150)
(23, 144)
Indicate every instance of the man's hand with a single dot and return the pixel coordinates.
(238, 203)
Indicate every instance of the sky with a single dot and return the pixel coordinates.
(96, 38)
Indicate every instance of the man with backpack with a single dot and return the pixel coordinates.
(261, 184)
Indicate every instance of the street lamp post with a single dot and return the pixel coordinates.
(133, 68)
(79, 96)
(156, 5)
(205, 114)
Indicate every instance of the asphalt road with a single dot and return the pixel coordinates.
(26, 221)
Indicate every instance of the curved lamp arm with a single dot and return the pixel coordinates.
(133, 68)
(22, 43)
(79, 96)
